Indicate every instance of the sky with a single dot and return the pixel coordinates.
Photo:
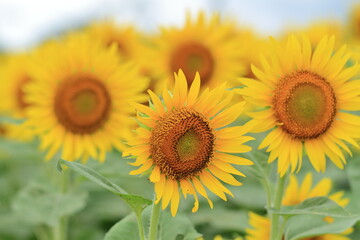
(25, 23)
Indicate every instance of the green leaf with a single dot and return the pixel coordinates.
(7, 119)
(305, 226)
(235, 220)
(125, 229)
(179, 227)
(261, 168)
(136, 202)
(354, 177)
(39, 203)
(322, 206)
(171, 228)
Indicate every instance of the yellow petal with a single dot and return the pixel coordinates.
(232, 159)
(146, 110)
(316, 159)
(155, 175)
(141, 159)
(291, 192)
(227, 116)
(321, 189)
(209, 182)
(224, 176)
(160, 188)
(232, 147)
(168, 192)
(227, 168)
(167, 99)
(231, 132)
(175, 199)
(305, 186)
(143, 168)
(156, 101)
(194, 90)
(200, 189)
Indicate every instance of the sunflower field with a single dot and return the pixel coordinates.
(207, 130)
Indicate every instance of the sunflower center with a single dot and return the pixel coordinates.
(305, 103)
(191, 58)
(182, 143)
(2, 130)
(82, 104)
(20, 94)
(188, 145)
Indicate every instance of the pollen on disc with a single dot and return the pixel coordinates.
(182, 143)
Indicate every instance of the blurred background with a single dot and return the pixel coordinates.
(25, 23)
(26, 182)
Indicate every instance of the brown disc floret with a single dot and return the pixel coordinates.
(82, 104)
(305, 104)
(182, 143)
(193, 57)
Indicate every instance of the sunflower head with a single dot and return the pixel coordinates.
(305, 98)
(202, 45)
(317, 30)
(15, 75)
(125, 38)
(79, 98)
(354, 23)
(184, 143)
(296, 193)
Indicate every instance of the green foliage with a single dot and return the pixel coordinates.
(179, 228)
(261, 168)
(316, 216)
(322, 206)
(303, 226)
(40, 203)
(353, 171)
(15, 121)
(137, 203)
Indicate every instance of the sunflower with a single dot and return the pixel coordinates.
(317, 30)
(79, 98)
(295, 194)
(126, 38)
(130, 43)
(14, 75)
(183, 143)
(354, 23)
(305, 100)
(202, 45)
(353, 32)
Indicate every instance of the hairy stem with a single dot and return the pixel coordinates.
(154, 222)
(276, 233)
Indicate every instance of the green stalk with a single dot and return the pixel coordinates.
(60, 231)
(154, 222)
(41, 233)
(276, 232)
(140, 226)
(268, 190)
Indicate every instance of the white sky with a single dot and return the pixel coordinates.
(24, 23)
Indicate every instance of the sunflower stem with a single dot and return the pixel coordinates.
(276, 230)
(154, 222)
(60, 231)
(268, 189)
(42, 232)
(140, 226)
